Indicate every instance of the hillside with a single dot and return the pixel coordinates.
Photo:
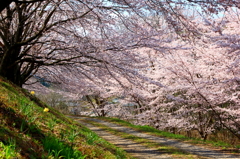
(31, 129)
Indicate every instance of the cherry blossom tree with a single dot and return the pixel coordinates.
(201, 82)
(56, 19)
(174, 59)
(66, 34)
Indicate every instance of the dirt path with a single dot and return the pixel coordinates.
(134, 149)
(139, 151)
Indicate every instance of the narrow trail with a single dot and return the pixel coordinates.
(142, 152)
(136, 150)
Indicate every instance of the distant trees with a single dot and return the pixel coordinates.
(202, 83)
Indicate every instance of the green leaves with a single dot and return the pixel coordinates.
(59, 149)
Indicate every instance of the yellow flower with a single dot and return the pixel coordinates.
(32, 92)
(46, 110)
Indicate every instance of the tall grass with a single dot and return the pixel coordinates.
(59, 149)
(42, 134)
(8, 151)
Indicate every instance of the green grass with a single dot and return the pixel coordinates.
(148, 143)
(37, 134)
(9, 150)
(59, 149)
(146, 129)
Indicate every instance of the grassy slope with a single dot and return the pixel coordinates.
(26, 131)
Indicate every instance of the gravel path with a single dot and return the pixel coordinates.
(140, 151)
(136, 150)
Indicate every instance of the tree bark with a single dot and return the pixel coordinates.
(8, 68)
(4, 4)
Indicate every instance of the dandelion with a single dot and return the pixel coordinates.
(32, 92)
(46, 110)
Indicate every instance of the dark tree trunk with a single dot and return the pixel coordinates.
(9, 68)
(4, 4)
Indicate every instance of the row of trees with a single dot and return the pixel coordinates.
(202, 83)
(39, 33)
(177, 60)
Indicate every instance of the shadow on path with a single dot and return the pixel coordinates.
(143, 152)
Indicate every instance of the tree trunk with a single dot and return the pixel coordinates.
(203, 135)
(9, 68)
(4, 4)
